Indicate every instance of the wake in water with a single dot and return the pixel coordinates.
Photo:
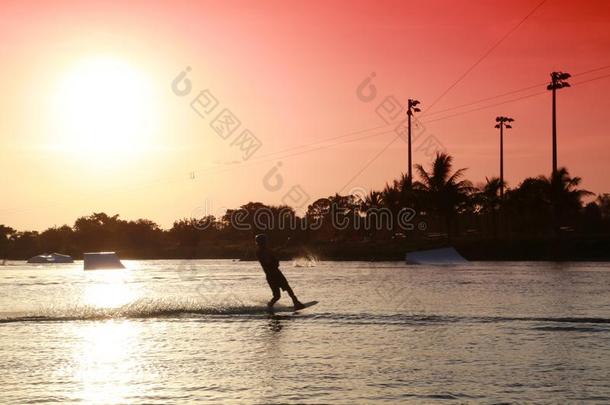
(307, 261)
(191, 308)
(142, 309)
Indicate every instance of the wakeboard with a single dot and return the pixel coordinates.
(291, 308)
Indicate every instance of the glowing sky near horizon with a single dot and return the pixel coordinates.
(289, 71)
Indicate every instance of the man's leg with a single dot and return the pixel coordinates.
(295, 301)
(276, 295)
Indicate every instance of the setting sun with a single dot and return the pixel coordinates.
(104, 108)
(298, 202)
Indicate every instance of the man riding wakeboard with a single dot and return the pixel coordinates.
(275, 278)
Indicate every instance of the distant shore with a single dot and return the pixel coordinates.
(576, 248)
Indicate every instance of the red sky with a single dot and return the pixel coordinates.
(289, 71)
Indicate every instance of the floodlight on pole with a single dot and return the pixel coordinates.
(502, 122)
(558, 81)
(411, 109)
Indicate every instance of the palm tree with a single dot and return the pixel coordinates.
(488, 195)
(527, 206)
(406, 193)
(488, 200)
(565, 196)
(444, 191)
(543, 204)
(603, 201)
(402, 183)
(391, 199)
(565, 188)
(372, 200)
(369, 209)
(390, 196)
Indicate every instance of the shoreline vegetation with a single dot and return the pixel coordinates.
(543, 218)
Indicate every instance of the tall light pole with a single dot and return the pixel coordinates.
(411, 108)
(502, 122)
(558, 81)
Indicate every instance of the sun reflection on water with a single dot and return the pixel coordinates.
(108, 361)
(110, 289)
(108, 357)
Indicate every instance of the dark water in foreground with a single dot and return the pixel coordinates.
(183, 331)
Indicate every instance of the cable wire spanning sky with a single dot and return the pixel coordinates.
(89, 120)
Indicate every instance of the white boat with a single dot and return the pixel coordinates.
(52, 258)
(435, 256)
(101, 261)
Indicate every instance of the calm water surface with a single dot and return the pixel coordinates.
(186, 331)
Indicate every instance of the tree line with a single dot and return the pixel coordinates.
(442, 206)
